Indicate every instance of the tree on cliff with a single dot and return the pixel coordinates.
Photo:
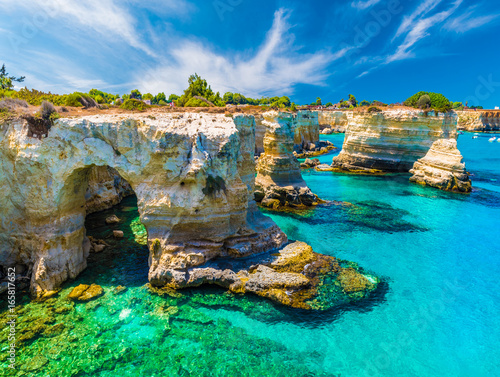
(6, 81)
(199, 87)
(135, 94)
(438, 101)
(424, 102)
(352, 101)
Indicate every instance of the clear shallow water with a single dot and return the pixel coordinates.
(438, 314)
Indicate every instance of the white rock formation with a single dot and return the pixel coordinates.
(192, 174)
(442, 167)
(391, 140)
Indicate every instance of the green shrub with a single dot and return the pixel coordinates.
(438, 101)
(195, 102)
(78, 99)
(424, 102)
(374, 109)
(134, 104)
(73, 100)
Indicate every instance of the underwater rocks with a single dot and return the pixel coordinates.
(278, 172)
(85, 292)
(442, 168)
(391, 140)
(106, 188)
(479, 121)
(112, 220)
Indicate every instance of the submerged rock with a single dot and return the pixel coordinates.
(442, 168)
(85, 292)
(112, 219)
(118, 234)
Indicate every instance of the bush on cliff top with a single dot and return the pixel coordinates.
(134, 104)
(78, 99)
(438, 101)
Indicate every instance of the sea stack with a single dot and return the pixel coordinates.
(391, 140)
(442, 168)
(279, 182)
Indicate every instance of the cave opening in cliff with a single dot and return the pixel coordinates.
(117, 238)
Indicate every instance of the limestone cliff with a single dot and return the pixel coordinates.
(106, 188)
(334, 121)
(391, 140)
(305, 128)
(187, 170)
(478, 121)
(279, 181)
(305, 134)
(194, 177)
(442, 167)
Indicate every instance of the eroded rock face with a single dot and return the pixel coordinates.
(334, 121)
(106, 188)
(442, 167)
(305, 128)
(279, 181)
(192, 174)
(194, 177)
(479, 121)
(305, 133)
(392, 140)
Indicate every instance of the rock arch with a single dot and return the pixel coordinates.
(192, 174)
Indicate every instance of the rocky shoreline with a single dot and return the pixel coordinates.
(194, 177)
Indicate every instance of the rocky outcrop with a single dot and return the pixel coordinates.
(333, 121)
(305, 129)
(279, 181)
(106, 188)
(305, 134)
(191, 173)
(295, 276)
(479, 121)
(391, 140)
(194, 178)
(442, 167)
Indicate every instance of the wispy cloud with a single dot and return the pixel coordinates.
(276, 67)
(418, 26)
(108, 18)
(364, 4)
(422, 10)
(468, 21)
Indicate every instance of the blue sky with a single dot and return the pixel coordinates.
(374, 49)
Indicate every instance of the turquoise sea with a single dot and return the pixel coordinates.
(437, 312)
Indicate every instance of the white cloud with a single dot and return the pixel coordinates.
(105, 17)
(467, 21)
(418, 26)
(276, 67)
(421, 10)
(360, 4)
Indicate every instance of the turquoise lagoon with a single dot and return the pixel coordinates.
(436, 314)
